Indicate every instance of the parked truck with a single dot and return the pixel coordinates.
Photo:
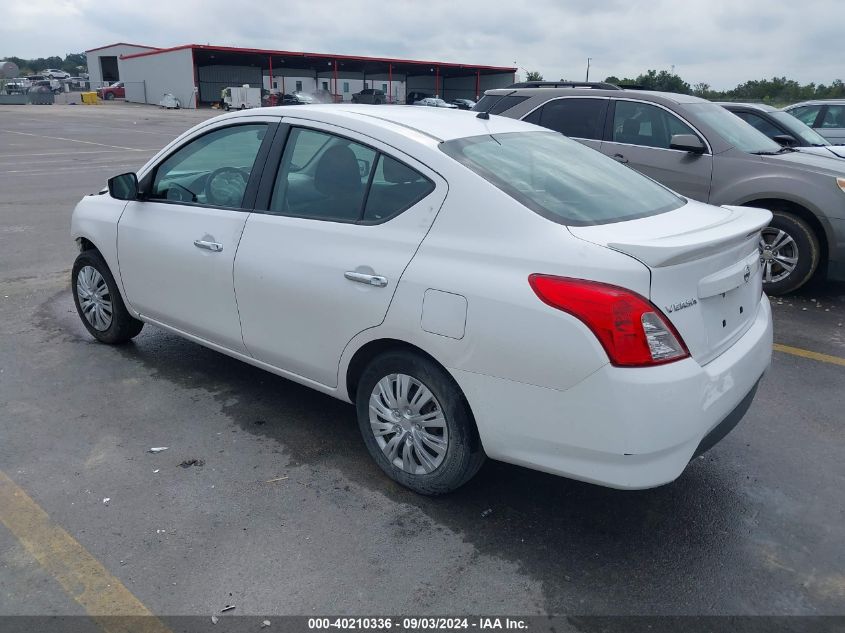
(241, 97)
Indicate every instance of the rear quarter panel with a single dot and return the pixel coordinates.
(482, 247)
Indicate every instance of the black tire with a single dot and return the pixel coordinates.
(123, 325)
(807, 247)
(464, 454)
(109, 96)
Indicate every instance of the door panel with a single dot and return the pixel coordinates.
(170, 279)
(176, 248)
(307, 285)
(640, 136)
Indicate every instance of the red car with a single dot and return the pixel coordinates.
(115, 91)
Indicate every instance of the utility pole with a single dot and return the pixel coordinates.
(589, 59)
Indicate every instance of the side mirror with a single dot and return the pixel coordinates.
(124, 187)
(787, 140)
(687, 143)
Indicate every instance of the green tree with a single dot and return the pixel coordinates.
(533, 75)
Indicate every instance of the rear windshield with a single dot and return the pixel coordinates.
(496, 104)
(561, 179)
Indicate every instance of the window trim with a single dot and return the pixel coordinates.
(252, 184)
(273, 164)
(580, 138)
(611, 117)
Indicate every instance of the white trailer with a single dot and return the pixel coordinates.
(241, 97)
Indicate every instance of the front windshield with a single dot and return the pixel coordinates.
(798, 128)
(560, 179)
(734, 130)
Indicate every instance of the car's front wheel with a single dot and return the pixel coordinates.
(789, 253)
(98, 301)
(109, 96)
(417, 424)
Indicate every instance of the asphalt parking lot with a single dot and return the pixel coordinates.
(287, 514)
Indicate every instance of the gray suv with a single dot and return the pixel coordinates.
(702, 151)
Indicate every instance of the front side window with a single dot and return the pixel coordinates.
(213, 169)
(578, 118)
(645, 124)
(561, 179)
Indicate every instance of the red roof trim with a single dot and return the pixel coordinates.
(99, 48)
(263, 51)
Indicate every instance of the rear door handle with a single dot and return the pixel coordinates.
(215, 247)
(362, 278)
(619, 158)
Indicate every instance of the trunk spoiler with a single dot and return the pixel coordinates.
(742, 224)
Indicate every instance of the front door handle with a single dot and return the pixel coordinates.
(214, 247)
(619, 158)
(363, 278)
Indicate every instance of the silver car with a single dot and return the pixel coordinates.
(825, 116)
(704, 152)
(784, 128)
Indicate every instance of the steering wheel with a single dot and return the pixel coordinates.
(225, 187)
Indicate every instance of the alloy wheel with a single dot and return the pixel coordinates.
(408, 424)
(94, 298)
(778, 254)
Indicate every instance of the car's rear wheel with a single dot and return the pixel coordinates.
(98, 301)
(789, 253)
(417, 424)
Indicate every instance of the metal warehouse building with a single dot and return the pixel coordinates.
(196, 74)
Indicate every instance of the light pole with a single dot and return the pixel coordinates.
(589, 59)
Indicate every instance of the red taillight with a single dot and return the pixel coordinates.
(632, 330)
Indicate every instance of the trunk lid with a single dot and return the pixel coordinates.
(705, 268)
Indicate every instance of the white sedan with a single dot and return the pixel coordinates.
(476, 286)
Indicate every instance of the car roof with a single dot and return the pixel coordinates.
(817, 102)
(441, 124)
(762, 107)
(642, 95)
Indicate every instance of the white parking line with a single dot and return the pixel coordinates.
(73, 140)
(75, 153)
(45, 172)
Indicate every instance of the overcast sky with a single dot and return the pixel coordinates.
(720, 42)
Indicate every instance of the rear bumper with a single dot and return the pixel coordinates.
(622, 427)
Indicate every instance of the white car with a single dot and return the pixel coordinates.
(475, 285)
(433, 102)
(55, 73)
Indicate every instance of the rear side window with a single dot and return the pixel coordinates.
(395, 187)
(327, 177)
(561, 179)
(496, 104)
(834, 117)
(578, 118)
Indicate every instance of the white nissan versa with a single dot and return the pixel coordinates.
(476, 285)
